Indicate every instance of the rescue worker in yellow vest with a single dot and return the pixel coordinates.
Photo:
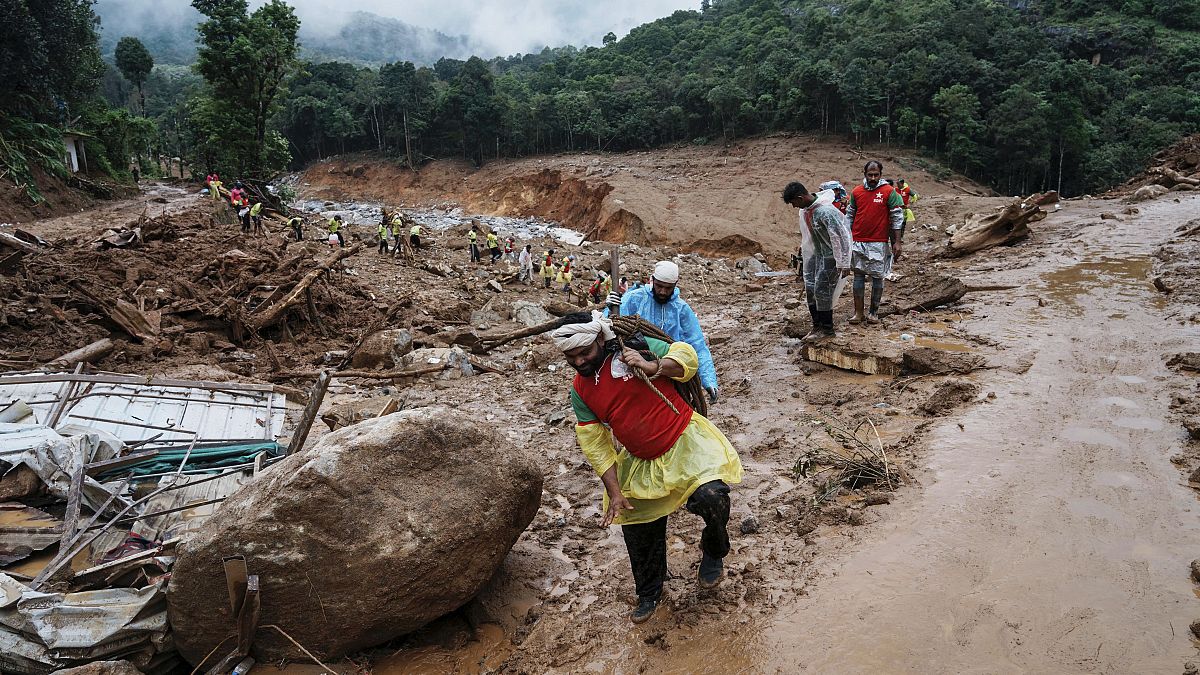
(564, 273)
(335, 230)
(548, 270)
(297, 225)
(414, 236)
(493, 244)
(256, 216)
(397, 232)
(382, 233)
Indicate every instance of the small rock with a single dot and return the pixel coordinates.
(750, 525)
(1196, 628)
(1195, 477)
(783, 511)
(1189, 668)
(1196, 570)
(753, 288)
(1108, 216)
(494, 285)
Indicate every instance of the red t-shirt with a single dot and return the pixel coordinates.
(871, 212)
(638, 418)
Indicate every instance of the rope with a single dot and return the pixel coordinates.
(626, 326)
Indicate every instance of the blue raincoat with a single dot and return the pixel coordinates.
(677, 319)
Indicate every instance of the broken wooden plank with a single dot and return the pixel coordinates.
(849, 358)
(310, 412)
(15, 243)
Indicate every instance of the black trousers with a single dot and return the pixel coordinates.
(415, 240)
(647, 542)
(383, 247)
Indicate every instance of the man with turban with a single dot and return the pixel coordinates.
(660, 304)
(670, 458)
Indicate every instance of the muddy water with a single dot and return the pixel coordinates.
(1052, 533)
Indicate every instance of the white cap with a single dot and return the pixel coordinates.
(666, 272)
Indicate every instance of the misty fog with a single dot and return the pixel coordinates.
(486, 28)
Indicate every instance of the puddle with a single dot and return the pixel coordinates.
(1127, 276)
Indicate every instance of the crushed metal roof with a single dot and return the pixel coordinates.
(150, 412)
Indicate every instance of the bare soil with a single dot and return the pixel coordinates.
(712, 200)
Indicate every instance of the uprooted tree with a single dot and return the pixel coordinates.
(1005, 226)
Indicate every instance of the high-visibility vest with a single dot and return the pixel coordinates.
(334, 226)
(415, 230)
(256, 209)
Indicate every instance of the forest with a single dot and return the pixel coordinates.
(1023, 95)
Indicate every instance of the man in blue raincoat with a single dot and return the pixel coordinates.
(660, 304)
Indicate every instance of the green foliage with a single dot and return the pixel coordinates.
(25, 144)
(133, 60)
(135, 64)
(1026, 96)
(49, 64)
(245, 58)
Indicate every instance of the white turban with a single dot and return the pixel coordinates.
(666, 272)
(576, 335)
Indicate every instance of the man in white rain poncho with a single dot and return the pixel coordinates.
(826, 254)
(670, 459)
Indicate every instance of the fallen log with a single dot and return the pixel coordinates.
(365, 374)
(273, 313)
(1171, 177)
(1008, 225)
(85, 354)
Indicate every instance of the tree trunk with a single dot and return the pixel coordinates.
(408, 143)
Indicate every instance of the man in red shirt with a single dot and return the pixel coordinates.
(875, 217)
(672, 455)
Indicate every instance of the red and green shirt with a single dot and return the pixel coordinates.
(872, 211)
(639, 419)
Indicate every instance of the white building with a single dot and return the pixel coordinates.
(74, 156)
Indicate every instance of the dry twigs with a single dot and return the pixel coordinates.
(859, 463)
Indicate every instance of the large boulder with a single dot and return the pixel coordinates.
(375, 531)
(385, 348)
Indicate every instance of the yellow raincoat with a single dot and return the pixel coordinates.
(659, 486)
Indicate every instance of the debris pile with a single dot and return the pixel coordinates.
(102, 474)
(1173, 169)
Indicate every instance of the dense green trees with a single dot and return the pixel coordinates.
(245, 58)
(1025, 95)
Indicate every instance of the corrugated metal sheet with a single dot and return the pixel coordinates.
(136, 409)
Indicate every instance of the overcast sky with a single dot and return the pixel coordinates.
(506, 26)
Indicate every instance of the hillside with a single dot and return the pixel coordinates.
(722, 202)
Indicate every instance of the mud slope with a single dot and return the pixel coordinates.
(710, 200)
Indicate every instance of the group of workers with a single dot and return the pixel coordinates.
(249, 210)
(858, 233)
(652, 451)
